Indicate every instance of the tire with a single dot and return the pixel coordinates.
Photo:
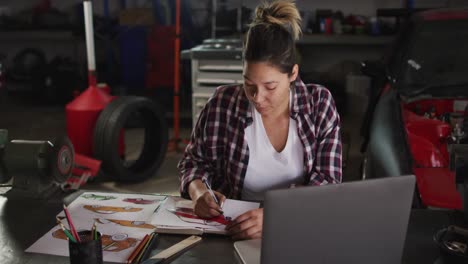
(107, 132)
(101, 123)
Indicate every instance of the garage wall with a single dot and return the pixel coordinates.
(364, 7)
(114, 5)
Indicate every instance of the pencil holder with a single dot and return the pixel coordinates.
(88, 251)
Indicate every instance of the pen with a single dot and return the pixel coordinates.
(211, 193)
(159, 205)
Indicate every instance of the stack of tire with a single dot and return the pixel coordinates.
(28, 71)
(46, 82)
(108, 130)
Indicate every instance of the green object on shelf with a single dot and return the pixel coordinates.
(3, 137)
(359, 30)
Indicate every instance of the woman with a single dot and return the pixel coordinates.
(272, 132)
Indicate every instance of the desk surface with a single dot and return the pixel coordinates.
(23, 222)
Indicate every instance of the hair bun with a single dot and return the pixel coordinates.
(280, 12)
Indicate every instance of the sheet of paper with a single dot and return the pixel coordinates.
(167, 218)
(234, 208)
(124, 219)
(119, 206)
(164, 217)
(121, 219)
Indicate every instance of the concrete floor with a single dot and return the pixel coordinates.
(28, 121)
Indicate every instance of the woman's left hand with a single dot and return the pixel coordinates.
(247, 226)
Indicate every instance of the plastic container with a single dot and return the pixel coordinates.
(81, 116)
(88, 251)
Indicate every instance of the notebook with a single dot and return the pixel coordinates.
(356, 222)
(176, 216)
(160, 213)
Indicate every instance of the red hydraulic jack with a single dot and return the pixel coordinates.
(83, 112)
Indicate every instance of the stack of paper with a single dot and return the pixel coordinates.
(124, 219)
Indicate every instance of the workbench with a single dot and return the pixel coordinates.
(23, 222)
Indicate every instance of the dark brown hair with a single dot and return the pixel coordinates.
(272, 34)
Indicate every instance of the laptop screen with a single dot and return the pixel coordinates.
(354, 222)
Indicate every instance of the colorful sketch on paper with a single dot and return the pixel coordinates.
(96, 197)
(188, 215)
(140, 201)
(127, 223)
(101, 209)
(111, 243)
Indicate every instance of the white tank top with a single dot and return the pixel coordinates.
(269, 169)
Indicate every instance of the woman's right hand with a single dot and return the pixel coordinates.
(204, 204)
(206, 207)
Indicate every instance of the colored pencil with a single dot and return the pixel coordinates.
(67, 233)
(142, 251)
(70, 224)
(94, 232)
(150, 247)
(137, 250)
(110, 245)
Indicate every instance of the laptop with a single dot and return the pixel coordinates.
(354, 222)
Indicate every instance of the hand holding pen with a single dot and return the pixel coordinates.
(208, 203)
(208, 186)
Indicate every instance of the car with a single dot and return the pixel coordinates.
(417, 112)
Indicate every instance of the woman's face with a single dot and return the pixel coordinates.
(267, 87)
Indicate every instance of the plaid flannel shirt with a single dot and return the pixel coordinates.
(218, 150)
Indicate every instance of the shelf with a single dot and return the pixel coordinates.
(23, 35)
(222, 68)
(217, 81)
(364, 40)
